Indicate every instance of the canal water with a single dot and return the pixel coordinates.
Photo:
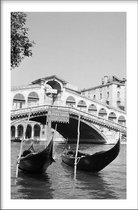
(58, 181)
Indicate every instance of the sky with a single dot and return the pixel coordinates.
(80, 48)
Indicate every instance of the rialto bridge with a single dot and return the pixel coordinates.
(99, 122)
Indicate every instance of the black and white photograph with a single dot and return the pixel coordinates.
(69, 135)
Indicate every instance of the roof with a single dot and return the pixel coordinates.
(111, 80)
(49, 78)
(118, 80)
(14, 88)
(100, 86)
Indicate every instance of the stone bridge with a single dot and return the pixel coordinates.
(93, 128)
(99, 122)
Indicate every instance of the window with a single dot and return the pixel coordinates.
(89, 94)
(94, 97)
(100, 96)
(118, 86)
(107, 94)
(118, 103)
(118, 94)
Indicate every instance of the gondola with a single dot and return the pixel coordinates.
(91, 163)
(32, 162)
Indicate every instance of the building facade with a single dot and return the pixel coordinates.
(112, 92)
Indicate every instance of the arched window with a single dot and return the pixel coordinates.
(37, 131)
(12, 131)
(28, 133)
(112, 116)
(20, 131)
(102, 112)
(82, 105)
(33, 98)
(70, 101)
(122, 120)
(18, 101)
(92, 109)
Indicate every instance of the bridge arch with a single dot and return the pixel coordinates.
(100, 134)
(18, 100)
(88, 132)
(70, 101)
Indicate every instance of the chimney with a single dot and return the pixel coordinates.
(104, 80)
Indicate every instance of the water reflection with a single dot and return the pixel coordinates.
(33, 186)
(93, 185)
(98, 187)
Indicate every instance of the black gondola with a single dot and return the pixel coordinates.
(32, 162)
(91, 163)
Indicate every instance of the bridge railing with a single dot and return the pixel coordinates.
(71, 110)
(29, 109)
(93, 117)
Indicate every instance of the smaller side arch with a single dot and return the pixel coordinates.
(33, 99)
(37, 131)
(28, 133)
(122, 120)
(20, 131)
(82, 105)
(102, 113)
(13, 132)
(92, 109)
(112, 116)
(70, 101)
(18, 101)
